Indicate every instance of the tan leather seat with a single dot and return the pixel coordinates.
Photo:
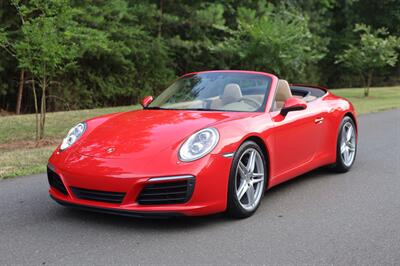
(232, 93)
(282, 94)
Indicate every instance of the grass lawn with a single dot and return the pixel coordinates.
(22, 128)
(24, 161)
(379, 99)
(19, 155)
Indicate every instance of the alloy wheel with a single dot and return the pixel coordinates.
(250, 176)
(348, 144)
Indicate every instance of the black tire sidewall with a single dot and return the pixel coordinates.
(339, 165)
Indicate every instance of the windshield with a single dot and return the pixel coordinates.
(216, 91)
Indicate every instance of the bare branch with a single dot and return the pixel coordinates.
(18, 8)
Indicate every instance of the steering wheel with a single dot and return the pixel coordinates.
(251, 102)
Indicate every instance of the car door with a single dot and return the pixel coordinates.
(296, 137)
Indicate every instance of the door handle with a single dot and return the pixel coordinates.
(319, 120)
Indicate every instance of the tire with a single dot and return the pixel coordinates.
(246, 180)
(343, 164)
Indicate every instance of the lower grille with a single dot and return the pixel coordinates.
(55, 181)
(95, 195)
(167, 193)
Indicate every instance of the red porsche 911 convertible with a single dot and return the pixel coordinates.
(212, 142)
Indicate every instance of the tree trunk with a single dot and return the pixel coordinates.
(364, 83)
(43, 109)
(369, 81)
(36, 111)
(160, 22)
(20, 92)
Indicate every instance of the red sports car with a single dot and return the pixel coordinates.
(213, 141)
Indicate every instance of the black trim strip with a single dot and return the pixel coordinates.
(134, 214)
(97, 195)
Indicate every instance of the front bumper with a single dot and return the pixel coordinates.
(134, 214)
(209, 194)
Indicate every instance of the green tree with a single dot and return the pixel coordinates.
(137, 61)
(192, 31)
(375, 50)
(49, 43)
(46, 48)
(273, 39)
(8, 36)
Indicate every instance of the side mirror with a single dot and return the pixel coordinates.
(146, 101)
(293, 104)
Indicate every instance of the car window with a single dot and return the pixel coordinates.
(224, 91)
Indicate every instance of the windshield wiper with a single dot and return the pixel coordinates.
(155, 108)
(180, 109)
(198, 109)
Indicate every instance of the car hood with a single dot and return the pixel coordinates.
(146, 133)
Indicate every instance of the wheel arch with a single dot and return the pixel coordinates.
(261, 143)
(353, 117)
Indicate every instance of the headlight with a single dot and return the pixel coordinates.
(73, 135)
(199, 144)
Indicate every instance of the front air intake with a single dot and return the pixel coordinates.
(56, 182)
(96, 195)
(167, 192)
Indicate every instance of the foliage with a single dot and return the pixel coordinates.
(134, 58)
(375, 50)
(48, 43)
(275, 40)
(113, 52)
